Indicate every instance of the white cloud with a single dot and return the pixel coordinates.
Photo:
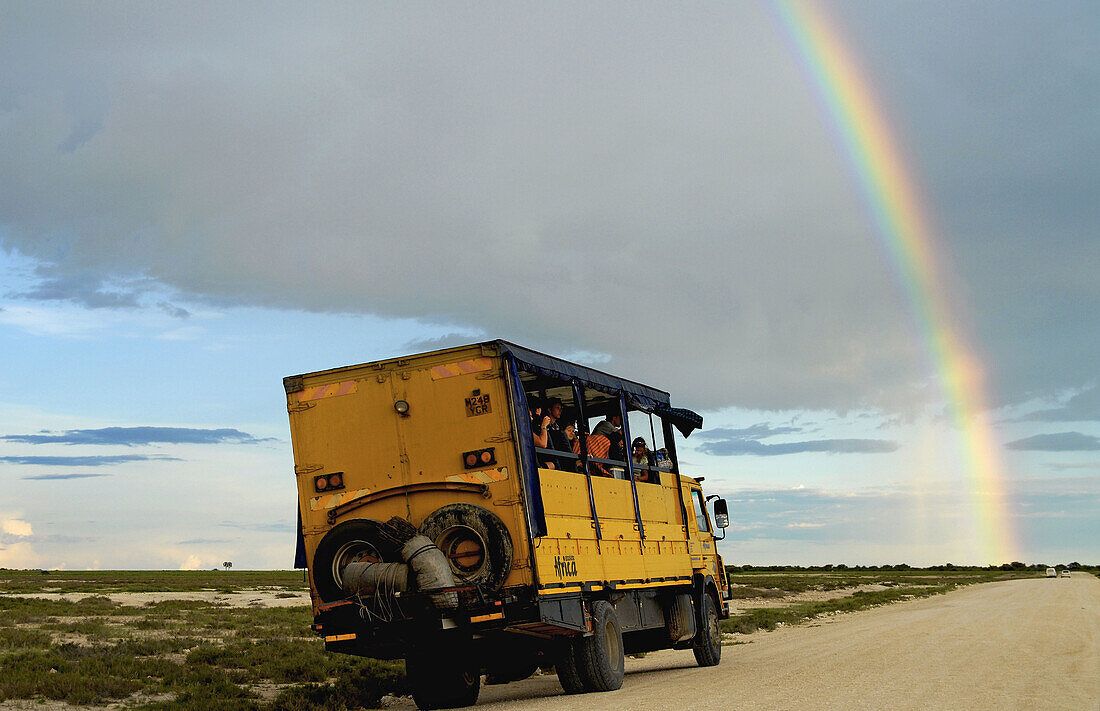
(19, 555)
(193, 562)
(16, 527)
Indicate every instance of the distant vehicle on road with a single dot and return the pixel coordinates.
(1065, 573)
(1052, 573)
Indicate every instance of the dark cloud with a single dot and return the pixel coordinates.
(87, 461)
(736, 446)
(661, 187)
(1084, 406)
(130, 436)
(53, 477)
(173, 310)
(1070, 466)
(723, 442)
(757, 431)
(1058, 442)
(85, 288)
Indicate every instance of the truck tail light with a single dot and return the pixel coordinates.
(329, 482)
(479, 458)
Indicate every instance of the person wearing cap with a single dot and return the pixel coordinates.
(610, 427)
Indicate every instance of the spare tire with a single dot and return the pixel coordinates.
(352, 541)
(474, 540)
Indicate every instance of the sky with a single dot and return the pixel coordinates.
(199, 199)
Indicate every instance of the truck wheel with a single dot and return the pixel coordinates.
(514, 670)
(476, 542)
(600, 657)
(352, 541)
(443, 676)
(565, 665)
(708, 640)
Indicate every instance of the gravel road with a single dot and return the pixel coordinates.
(1019, 644)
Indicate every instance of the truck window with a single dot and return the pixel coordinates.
(700, 511)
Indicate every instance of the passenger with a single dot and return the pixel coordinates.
(609, 427)
(574, 440)
(598, 446)
(539, 433)
(664, 462)
(618, 447)
(556, 435)
(641, 458)
(573, 444)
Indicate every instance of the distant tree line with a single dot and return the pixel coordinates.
(1014, 565)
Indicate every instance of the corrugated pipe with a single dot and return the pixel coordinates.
(374, 578)
(431, 569)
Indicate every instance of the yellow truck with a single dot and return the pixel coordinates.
(491, 509)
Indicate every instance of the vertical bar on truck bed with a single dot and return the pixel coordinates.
(525, 450)
(578, 395)
(670, 444)
(630, 464)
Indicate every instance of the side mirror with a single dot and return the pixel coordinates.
(721, 514)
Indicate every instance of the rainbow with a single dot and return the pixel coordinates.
(890, 196)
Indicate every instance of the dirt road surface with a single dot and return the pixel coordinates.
(1019, 644)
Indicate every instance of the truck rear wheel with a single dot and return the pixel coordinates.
(442, 675)
(600, 657)
(708, 640)
(565, 665)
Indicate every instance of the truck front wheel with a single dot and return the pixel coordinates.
(443, 675)
(600, 658)
(708, 640)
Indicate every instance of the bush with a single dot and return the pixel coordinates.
(362, 689)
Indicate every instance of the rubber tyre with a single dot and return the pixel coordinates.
(481, 523)
(443, 676)
(600, 658)
(565, 665)
(342, 545)
(516, 671)
(708, 640)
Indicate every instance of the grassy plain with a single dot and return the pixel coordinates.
(175, 654)
(94, 642)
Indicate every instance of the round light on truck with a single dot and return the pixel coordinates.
(402, 408)
(320, 483)
(335, 481)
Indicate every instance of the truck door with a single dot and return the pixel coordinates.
(700, 533)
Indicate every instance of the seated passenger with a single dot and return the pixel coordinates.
(570, 431)
(609, 427)
(557, 437)
(618, 447)
(598, 446)
(664, 462)
(573, 444)
(539, 432)
(641, 458)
